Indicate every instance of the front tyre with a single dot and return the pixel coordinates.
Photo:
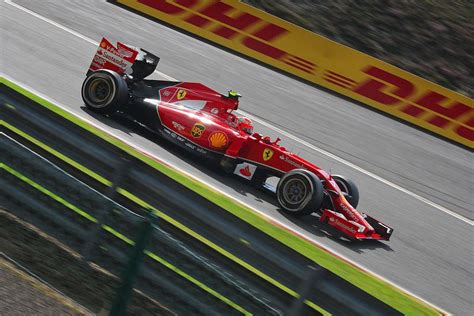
(104, 91)
(349, 189)
(300, 192)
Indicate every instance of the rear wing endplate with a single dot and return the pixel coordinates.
(119, 59)
(123, 59)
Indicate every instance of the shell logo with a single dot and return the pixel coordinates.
(218, 140)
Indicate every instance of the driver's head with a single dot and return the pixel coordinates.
(245, 125)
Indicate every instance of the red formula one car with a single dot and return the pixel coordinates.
(203, 121)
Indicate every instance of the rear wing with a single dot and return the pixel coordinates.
(123, 59)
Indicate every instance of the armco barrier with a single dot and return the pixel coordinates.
(283, 45)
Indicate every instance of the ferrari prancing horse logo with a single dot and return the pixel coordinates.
(267, 154)
(197, 130)
(181, 94)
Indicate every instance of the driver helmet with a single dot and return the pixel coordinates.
(245, 125)
(233, 95)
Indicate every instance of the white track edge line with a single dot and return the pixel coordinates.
(264, 123)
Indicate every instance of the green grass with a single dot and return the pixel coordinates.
(365, 281)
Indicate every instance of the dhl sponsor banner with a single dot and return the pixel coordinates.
(315, 58)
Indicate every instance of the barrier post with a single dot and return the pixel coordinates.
(92, 240)
(124, 292)
(304, 290)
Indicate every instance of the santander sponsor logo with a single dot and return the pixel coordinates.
(337, 222)
(115, 60)
(245, 171)
(291, 162)
(99, 60)
(348, 212)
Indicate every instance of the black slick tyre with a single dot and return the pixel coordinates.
(104, 91)
(350, 190)
(300, 192)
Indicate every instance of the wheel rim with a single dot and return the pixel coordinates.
(295, 191)
(99, 91)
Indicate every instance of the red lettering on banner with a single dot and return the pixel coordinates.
(268, 33)
(432, 101)
(372, 88)
(438, 121)
(413, 110)
(167, 7)
(466, 132)
(443, 110)
(197, 20)
(263, 48)
(225, 32)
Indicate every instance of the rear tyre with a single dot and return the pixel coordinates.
(300, 192)
(349, 189)
(104, 91)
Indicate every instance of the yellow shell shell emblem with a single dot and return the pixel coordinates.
(267, 154)
(218, 140)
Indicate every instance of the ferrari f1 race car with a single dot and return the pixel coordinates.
(204, 122)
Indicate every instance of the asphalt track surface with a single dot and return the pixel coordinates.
(431, 252)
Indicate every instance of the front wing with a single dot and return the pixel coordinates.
(355, 231)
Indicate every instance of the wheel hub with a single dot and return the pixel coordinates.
(99, 90)
(295, 191)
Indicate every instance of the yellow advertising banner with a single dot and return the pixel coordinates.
(317, 59)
